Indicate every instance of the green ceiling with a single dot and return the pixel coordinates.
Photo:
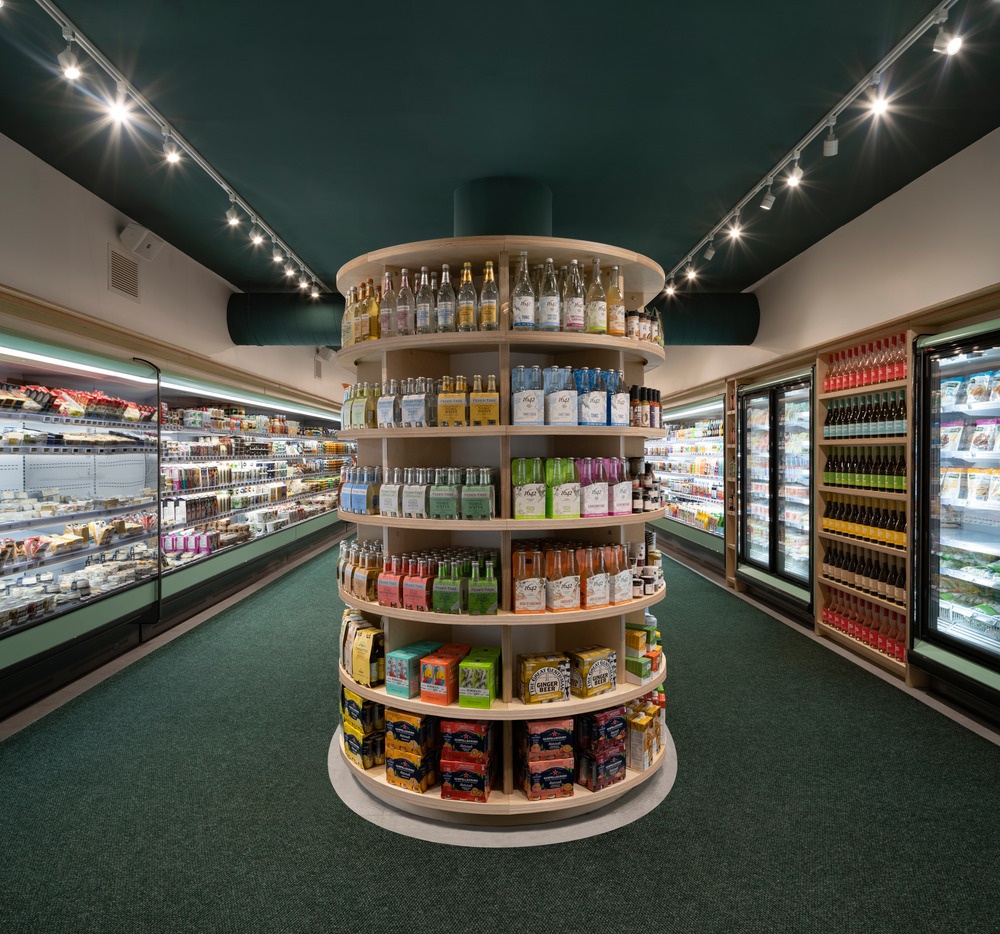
(348, 126)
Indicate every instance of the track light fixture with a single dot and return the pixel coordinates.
(278, 256)
(289, 271)
(233, 215)
(795, 173)
(670, 286)
(767, 202)
(67, 59)
(709, 250)
(735, 230)
(314, 290)
(690, 271)
(303, 281)
(947, 43)
(256, 234)
(170, 150)
(831, 144)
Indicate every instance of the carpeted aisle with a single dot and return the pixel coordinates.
(190, 793)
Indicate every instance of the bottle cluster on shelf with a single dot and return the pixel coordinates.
(422, 402)
(878, 627)
(569, 396)
(697, 516)
(238, 446)
(705, 428)
(867, 364)
(871, 572)
(570, 488)
(876, 415)
(882, 469)
(420, 492)
(865, 518)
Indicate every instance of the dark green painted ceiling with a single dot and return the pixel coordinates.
(348, 126)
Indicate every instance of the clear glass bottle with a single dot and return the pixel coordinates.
(445, 302)
(596, 313)
(372, 312)
(405, 303)
(573, 304)
(387, 310)
(346, 323)
(466, 300)
(489, 300)
(549, 311)
(616, 305)
(425, 318)
(524, 314)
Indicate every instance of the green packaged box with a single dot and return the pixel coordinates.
(477, 681)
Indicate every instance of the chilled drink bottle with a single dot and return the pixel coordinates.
(523, 309)
(405, 306)
(573, 303)
(616, 305)
(425, 305)
(549, 309)
(466, 300)
(596, 313)
(387, 310)
(489, 300)
(446, 302)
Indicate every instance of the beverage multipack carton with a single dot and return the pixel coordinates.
(439, 678)
(545, 739)
(484, 407)
(477, 680)
(365, 750)
(544, 779)
(451, 410)
(601, 768)
(600, 729)
(402, 668)
(364, 715)
(411, 732)
(593, 670)
(467, 740)
(410, 770)
(368, 657)
(642, 746)
(462, 780)
(543, 677)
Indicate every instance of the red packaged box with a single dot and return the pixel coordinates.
(466, 740)
(599, 769)
(466, 781)
(439, 678)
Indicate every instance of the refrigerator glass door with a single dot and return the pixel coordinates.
(792, 455)
(757, 452)
(962, 489)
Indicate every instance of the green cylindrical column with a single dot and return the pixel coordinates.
(501, 205)
(709, 318)
(285, 318)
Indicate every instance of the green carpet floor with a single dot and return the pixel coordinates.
(190, 793)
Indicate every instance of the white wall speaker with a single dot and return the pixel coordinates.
(141, 241)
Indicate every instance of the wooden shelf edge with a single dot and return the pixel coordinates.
(862, 543)
(847, 588)
(503, 525)
(864, 390)
(892, 665)
(858, 491)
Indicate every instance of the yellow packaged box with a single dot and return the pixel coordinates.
(364, 715)
(365, 750)
(410, 770)
(593, 670)
(543, 677)
(368, 657)
(452, 411)
(484, 408)
(411, 732)
(641, 746)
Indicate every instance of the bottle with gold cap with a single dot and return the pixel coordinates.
(489, 301)
(466, 300)
(370, 322)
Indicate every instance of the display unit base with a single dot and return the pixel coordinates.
(500, 809)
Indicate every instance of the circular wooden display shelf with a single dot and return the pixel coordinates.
(502, 617)
(502, 525)
(499, 808)
(496, 431)
(642, 275)
(515, 709)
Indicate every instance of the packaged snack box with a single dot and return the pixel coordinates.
(546, 739)
(368, 657)
(543, 677)
(601, 729)
(410, 770)
(593, 670)
(363, 749)
(364, 715)
(466, 781)
(597, 770)
(477, 681)
(548, 778)
(402, 671)
(439, 678)
(410, 732)
(466, 740)
(641, 748)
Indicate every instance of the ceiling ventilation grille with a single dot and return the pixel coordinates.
(123, 274)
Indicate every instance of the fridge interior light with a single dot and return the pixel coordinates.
(72, 365)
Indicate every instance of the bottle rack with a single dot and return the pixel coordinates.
(484, 353)
(852, 503)
(730, 432)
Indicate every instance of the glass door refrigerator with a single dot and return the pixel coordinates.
(956, 572)
(775, 445)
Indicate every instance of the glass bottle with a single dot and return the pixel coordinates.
(524, 316)
(372, 313)
(596, 312)
(489, 300)
(346, 323)
(466, 300)
(616, 306)
(405, 305)
(424, 305)
(549, 316)
(387, 308)
(445, 302)
(573, 305)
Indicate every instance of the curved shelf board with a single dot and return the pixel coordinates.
(871, 598)
(642, 274)
(498, 431)
(577, 431)
(646, 352)
(502, 617)
(500, 525)
(498, 808)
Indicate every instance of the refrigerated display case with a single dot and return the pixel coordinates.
(957, 508)
(774, 545)
(689, 462)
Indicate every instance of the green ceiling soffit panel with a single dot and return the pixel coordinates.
(709, 319)
(289, 319)
(499, 205)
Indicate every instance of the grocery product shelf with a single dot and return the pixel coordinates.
(41, 522)
(860, 491)
(894, 665)
(862, 543)
(499, 525)
(861, 390)
(76, 554)
(847, 588)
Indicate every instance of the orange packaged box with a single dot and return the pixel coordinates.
(439, 678)
(548, 778)
(410, 770)
(466, 740)
(466, 781)
(546, 739)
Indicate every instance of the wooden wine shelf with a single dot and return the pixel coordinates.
(862, 543)
(858, 491)
(893, 665)
(501, 525)
(513, 710)
(499, 808)
(503, 617)
(878, 601)
(865, 390)
(897, 441)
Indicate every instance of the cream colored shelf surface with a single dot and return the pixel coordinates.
(865, 390)
(503, 617)
(501, 525)
(496, 431)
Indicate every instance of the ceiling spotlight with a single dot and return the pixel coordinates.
(170, 151)
(947, 43)
(879, 106)
(767, 202)
(831, 144)
(795, 173)
(303, 281)
(709, 250)
(119, 110)
(279, 257)
(735, 231)
(289, 271)
(256, 235)
(232, 215)
(67, 59)
(690, 271)
(670, 287)
(314, 291)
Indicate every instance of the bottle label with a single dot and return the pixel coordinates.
(414, 410)
(446, 316)
(561, 408)
(596, 590)
(529, 501)
(619, 409)
(488, 315)
(529, 595)
(596, 317)
(616, 320)
(595, 499)
(528, 407)
(632, 326)
(477, 502)
(574, 314)
(447, 596)
(443, 502)
(389, 499)
(483, 598)
(622, 498)
(415, 502)
(563, 593)
(566, 501)
(403, 325)
(524, 311)
(620, 587)
(423, 315)
(548, 313)
(466, 317)
(484, 408)
(593, 408)
(384, 411)
(644, 329)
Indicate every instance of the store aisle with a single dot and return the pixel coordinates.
(190, 793)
